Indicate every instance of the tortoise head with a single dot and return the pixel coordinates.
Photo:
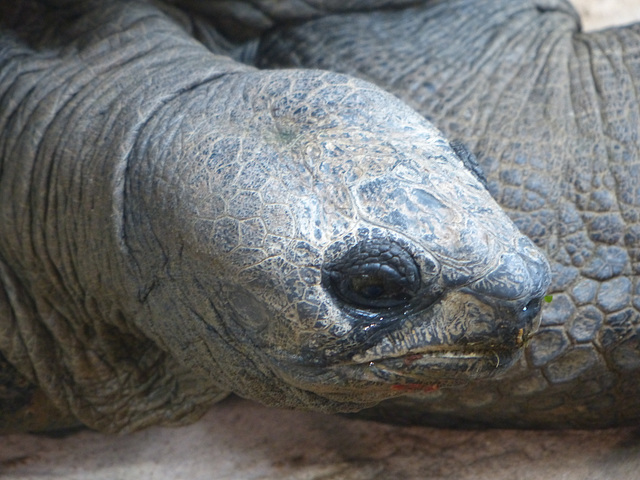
(322, 245)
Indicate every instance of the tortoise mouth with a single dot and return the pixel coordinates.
(434, 368)
(430, 367)
(417, 363)
(420, 372)
(398, 364)
(462, 351)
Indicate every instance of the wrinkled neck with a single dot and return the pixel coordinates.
(70, 117)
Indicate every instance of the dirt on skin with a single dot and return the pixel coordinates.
(241, 440)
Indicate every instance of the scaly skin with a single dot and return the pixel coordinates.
(178, 226)
(553, 115)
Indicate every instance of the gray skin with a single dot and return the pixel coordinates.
(178, 226)
(553, 116)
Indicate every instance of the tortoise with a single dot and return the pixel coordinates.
(184, 218)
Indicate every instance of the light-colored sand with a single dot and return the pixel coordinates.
(598, 14)
(241, 440)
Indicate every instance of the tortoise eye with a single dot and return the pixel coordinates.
(373, 275)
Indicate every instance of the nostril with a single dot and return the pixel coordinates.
(531, 310)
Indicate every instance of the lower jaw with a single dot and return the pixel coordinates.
(367, 384)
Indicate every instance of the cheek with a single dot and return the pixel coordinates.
(249, 313)
(275, 302)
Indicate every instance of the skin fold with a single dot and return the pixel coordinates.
(552, 114)
(178, 225)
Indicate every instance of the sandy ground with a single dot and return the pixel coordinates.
(241, 440)
(598, 14)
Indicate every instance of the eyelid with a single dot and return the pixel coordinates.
(376, 263)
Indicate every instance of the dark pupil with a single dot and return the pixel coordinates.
(367, 286)
(373, 285)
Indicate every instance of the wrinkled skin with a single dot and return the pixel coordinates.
(552, 114)
(296, 237)
(177, 226)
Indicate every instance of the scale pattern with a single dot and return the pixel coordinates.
(553, 115)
